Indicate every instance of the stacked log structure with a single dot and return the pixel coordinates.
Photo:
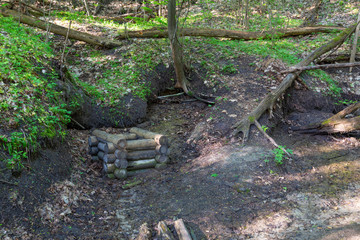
(124, 155)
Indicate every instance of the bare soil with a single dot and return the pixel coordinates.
(220, 187)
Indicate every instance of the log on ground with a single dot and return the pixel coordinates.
(101, 155)
(269, 101)
(120, 173)
(141, 144)
(54, 28)
(109, 158)
(164, 232)
(233, 34)
(162, 158)
(143, 154)
(181, 230)
(117, 139)
(142, 164)
(121, 163)
(121, 154)
(93, 141)
(159, 138)
(109, 167)
(131, 173)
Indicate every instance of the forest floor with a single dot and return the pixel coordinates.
(221, 187)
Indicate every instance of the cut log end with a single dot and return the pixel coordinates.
(120, 173)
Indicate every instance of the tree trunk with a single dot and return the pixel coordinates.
(233, 34)
(176, 50)
(268, 102)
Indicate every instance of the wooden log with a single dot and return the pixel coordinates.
(93, 141)
(109, 167)
(117, 139)
(164, 232)
(101, 155)
(144, 232)
(141, 144)
(162, 158)
(95, 158)
(121, 154)
(93, 150)
(181, 230)
(121, 163)
(120, 173)
(131, 184)
(107, 147)
(142, 164)
(109, 158)
(159, 138)
(144, 154)
(162, 149)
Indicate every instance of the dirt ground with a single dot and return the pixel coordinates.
(220, 187)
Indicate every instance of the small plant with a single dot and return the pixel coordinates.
(214, 175)
(264, 128)
(279, 154)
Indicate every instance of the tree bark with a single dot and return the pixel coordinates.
(268, 102)
(233, 34)
(73, 34)
(176, 51)
(137, 155)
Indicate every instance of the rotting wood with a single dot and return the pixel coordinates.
(232, 34)
(117, 139)
(93, 141)
(144, 231)
(269, 101)
(326, 66)
(109, 158)
(181, 230)
(120, 173)
(121, 163)
(142, 164)
(164, 232)
(141, 144)
(73, 34)
(144, 154)
(158, 138)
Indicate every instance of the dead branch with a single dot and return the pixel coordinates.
(325, 66)
(233, 34)
(353, 50)
(269, 101)
(73, 34)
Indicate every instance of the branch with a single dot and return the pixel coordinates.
(336, 65)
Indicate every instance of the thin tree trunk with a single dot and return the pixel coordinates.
(356, 37)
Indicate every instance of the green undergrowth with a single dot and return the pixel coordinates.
(32, 111)
(122, 71)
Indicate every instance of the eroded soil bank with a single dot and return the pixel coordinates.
(220, 187)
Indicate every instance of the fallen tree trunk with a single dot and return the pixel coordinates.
(233, 34)
(335, 124)
(54, 28)
(268, 102)
(336, 65)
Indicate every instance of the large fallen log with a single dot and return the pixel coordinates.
(269, 101)
(54, 28)
(336, 124)
(233, 34)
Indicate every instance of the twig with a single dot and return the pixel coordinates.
(78, 123)
(270, 138)
(335, 65)
(65, 43)
(356, 36)
(171, 95)
(3, 181)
